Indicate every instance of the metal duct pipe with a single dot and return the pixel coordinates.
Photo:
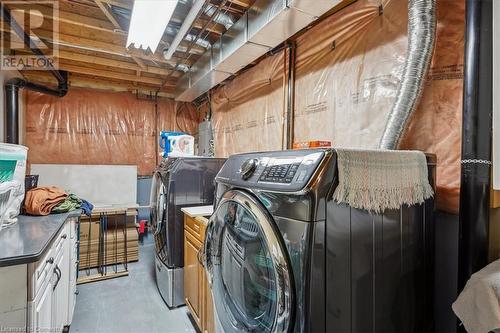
(12, 87)
(421, 34)
(189, 37)
(290, 105)
(12, 113)
(198, 41)
(222, 18)
(476, 139)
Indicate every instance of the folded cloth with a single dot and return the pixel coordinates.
(41, 200)
(478, 305)
(71, 202)
(87, 207)
(376, 180)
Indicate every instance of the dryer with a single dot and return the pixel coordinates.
(281, 256)
(177, 182)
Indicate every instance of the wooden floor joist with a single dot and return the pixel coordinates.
(91, 38)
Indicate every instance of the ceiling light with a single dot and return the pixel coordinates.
(148, 22)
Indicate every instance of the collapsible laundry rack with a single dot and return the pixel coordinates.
(106, 253)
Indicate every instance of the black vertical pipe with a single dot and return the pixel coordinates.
(476, 140)
(12, 113)
(290, 96)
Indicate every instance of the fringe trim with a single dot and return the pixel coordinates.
(379, 180)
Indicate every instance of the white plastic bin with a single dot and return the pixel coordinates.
(12, 173)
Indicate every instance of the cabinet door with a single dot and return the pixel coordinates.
(192, 276)
(42, 314)
(61, 288)
(208, 307)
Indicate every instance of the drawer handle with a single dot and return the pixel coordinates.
(58, 273)
(50, 260)
(64, 236)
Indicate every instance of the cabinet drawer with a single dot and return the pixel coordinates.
(196, 227)
(43, 271)
(60, 241)
(193, 227)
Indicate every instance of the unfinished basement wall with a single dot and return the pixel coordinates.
(97, 127)
(247, 112)
(347, 79)
(348, 69)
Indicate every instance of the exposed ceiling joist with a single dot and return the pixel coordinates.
(112, 75)
(77, 80)
(99, 46)
(75, 19)
(107, 11)
(112, 63)
(128, 4)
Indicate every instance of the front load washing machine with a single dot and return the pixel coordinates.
(282, 256)
(177, 182)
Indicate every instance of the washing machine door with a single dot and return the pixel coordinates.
(158, 214)
(248, 268)
(158, 203)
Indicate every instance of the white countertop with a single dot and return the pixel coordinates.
(198, 211)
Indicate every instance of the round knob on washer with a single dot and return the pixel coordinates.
(248, 168)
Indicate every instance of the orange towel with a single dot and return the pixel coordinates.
(41, 200)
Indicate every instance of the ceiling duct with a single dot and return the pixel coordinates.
(222, 17)
(263, 27)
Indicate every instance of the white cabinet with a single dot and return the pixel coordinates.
(61, 289)
(73, 267)
(42, 310)
(40, 296)
(13, 292)
(52, 283)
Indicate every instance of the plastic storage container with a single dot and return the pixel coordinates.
(12, 173)
(176, 144)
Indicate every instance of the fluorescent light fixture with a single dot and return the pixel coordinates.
(186, 25)
(148, 22)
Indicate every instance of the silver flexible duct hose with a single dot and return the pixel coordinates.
(421, 34)
(222, 17)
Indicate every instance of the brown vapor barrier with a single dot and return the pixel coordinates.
(96, 127)
(348, 69)
(248, 111)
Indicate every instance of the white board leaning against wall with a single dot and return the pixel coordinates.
(102, 185)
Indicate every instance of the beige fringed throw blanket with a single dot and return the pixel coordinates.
(376, 180)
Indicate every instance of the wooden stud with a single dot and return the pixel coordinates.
(113, 75)
(107, 11)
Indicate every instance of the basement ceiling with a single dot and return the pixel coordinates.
(92, 37)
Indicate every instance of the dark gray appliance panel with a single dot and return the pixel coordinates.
(378, 271)
(190, 182)
(297, 237)
(294, 169)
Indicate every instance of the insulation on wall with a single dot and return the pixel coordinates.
(348, 71)
(96, 127)
(248, 111)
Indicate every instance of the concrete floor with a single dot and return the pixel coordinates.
(128, 304)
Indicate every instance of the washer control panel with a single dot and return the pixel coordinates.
(279, 173)
(281, 170)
